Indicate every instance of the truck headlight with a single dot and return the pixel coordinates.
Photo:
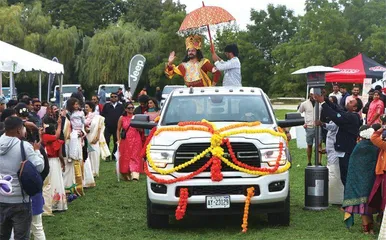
(270, 156)
(161, 157)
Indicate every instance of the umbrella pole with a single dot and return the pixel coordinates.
(210, 40)
(210, 36)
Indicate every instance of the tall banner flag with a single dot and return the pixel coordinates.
(137, 63)
(51, 80)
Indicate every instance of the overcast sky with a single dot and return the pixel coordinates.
(240, 9)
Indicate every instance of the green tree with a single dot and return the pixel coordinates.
(61, 42)
(11, 27)
(272, 27)
(168, 41)
(108, 52)
(86, 15)
(316, 43)
(367, 24)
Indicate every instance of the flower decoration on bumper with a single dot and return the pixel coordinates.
(219, 137)
(182, 203)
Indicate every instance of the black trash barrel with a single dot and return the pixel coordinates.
(316, 188)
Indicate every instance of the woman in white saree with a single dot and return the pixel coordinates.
(95, 129)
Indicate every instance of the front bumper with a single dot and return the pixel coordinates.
(263, 195)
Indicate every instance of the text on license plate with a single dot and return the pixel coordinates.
(218, 202)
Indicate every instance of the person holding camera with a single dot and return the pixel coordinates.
(15, 210)
(349, 123)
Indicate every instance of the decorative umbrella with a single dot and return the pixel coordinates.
(200, 19)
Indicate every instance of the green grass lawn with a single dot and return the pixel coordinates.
(115, 210)
(280, 113)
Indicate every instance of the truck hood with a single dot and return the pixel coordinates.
(170, 138)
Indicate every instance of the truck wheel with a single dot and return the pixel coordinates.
(281, 218)
(155, 220)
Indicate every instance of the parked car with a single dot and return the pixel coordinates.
(168, 89)
(6, 92)
(111, 88)
(223, 107)
(67, 91)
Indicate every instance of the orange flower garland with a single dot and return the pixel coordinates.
(182, 203)
(218, 138)
(205, 124)
(250, 194)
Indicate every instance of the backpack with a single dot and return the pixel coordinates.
(29, 177)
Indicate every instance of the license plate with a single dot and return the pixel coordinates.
(218, 202)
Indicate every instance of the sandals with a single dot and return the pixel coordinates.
(368, 229)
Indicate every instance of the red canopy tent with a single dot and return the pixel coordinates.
(356, 69)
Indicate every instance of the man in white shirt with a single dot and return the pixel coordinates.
(308, 108)
(336, 92)
(128, 95)
(231, 68)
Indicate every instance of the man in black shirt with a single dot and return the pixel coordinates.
(112, 111)
(348, 123)
(36, 104)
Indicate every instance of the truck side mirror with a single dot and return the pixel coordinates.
(291, 120)
(142, 121)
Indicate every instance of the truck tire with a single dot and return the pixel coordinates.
(281, 218)
(155, 221)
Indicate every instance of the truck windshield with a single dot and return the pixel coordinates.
(5, 91)
(69, 89)
(168, 90)
(111, 89)
(219, 108)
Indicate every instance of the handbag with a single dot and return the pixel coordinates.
(30, 179)
(123, 132)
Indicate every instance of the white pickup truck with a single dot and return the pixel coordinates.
(223, 107)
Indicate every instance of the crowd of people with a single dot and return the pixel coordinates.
(355, 144)
(65, 145)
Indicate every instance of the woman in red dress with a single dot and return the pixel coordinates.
(130, 160)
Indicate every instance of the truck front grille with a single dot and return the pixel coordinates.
(218, 190)
(245, 152)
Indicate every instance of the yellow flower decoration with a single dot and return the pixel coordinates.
(215, 148)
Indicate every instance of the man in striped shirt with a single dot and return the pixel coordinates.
(231, 68)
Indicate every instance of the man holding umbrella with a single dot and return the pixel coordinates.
(231, 68)
(194, 68)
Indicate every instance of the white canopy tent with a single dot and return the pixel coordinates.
(14, 60)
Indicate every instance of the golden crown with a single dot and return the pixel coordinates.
(193, 42)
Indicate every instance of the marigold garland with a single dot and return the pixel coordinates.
(181, 129)
(215, 170)
(250, 194)
(182, 203)
(219, 137)
(204, 124)
(215, 148)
